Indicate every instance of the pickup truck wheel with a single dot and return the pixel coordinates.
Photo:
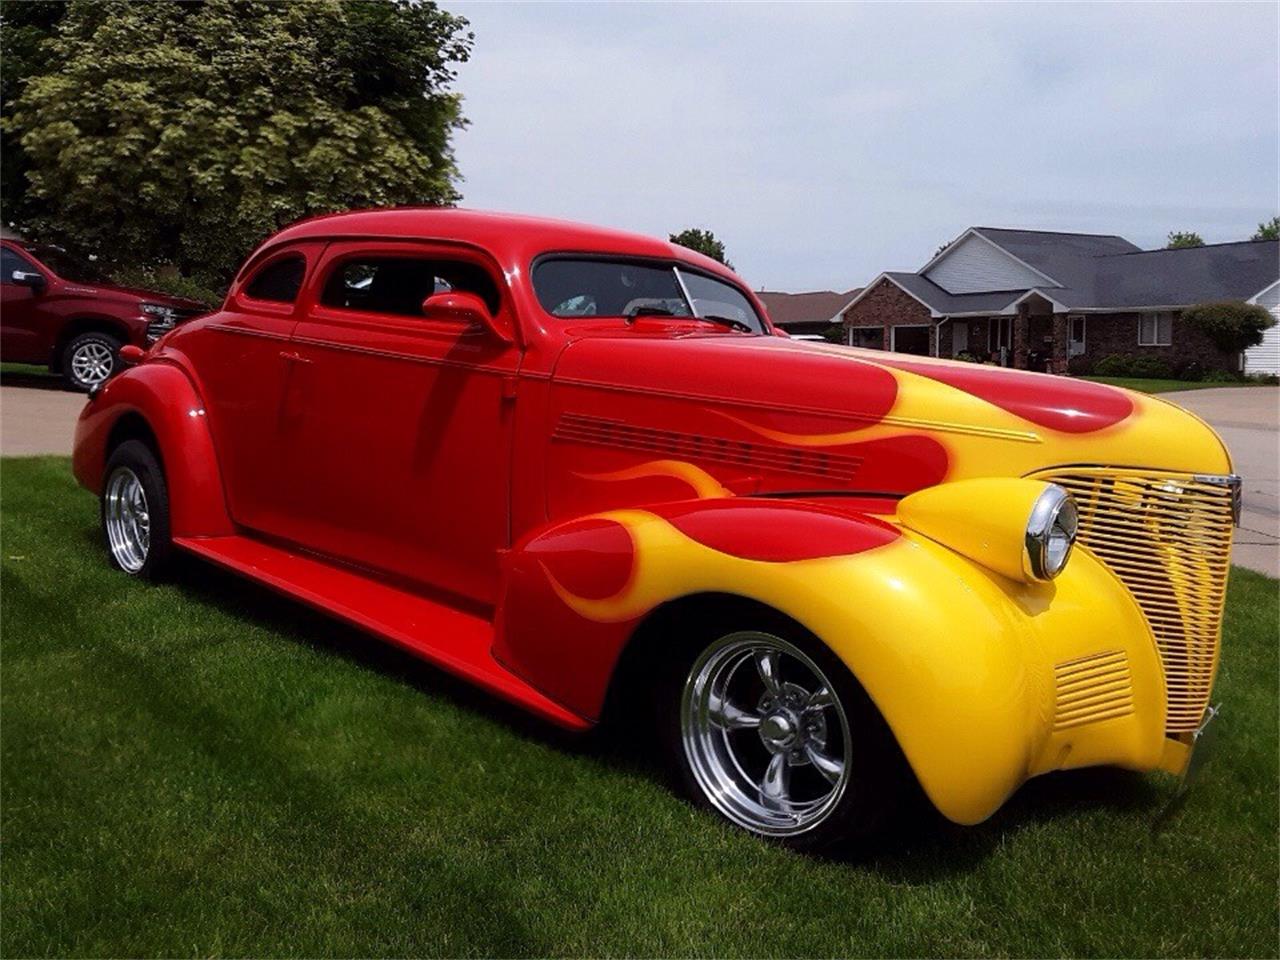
(135, 512)
(770, 730)
(89, 360)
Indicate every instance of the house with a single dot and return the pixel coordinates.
(807, 315)
(1040, 300)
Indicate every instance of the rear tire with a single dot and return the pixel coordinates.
(135, 512)
(752, 736)
(90, 359)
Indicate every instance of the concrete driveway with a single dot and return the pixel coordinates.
(1248, 420)
(38, 417)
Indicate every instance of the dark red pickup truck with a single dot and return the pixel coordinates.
(63, 311)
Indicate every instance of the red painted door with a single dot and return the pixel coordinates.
(400, 456)
(21, 336)
(244, 363)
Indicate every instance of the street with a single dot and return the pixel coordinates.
(37, 417)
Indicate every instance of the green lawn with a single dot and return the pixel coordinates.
(207, 769)
(1145, 385)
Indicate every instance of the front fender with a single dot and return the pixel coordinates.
(977, 675)
(165, 398)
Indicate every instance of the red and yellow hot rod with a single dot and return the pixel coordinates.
(563, 462)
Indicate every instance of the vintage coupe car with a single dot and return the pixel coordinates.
(579, 468)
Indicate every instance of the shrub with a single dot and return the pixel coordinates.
(1153, 368)
(1112, 365)
(1232, 325)
(968, 357)
(1188, 370)
(1269, 379)
(1080, 366)
(1221, 376)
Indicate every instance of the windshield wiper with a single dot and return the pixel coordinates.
(650, 312)
(732, 323)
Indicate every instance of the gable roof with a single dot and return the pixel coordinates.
(815, 306)
(1104, 272)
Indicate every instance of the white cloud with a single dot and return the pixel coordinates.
(824, 143)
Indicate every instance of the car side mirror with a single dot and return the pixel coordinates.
(458, 306)
(28, 278)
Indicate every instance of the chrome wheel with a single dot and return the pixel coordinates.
(92, 362)
(128, 521)
(764, 734)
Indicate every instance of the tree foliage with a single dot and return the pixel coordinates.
(1269, 230)
(1232, 324)
(1179, 239)
(704, 241)
(23, 29)
(164, 132)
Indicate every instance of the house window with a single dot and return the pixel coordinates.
(1000, 334)
(1075, 345)
(869, 338)
(1155, 329)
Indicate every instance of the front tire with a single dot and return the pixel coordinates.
(135, 512)
(89, 360)
(769, 729)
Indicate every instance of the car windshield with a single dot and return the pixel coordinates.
(568, 287)
(68, 266)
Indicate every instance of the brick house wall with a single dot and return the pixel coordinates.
(1117, 333)
(887, 305)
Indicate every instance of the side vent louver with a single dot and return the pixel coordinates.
(1093, 688)
(580, 428)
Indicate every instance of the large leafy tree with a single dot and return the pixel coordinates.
(23, 54)
(165, 132)
(704, 241)
(1232, 324)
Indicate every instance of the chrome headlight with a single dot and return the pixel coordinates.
(163, 319)
(1051, 532)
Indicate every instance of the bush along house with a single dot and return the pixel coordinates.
(1070, 302)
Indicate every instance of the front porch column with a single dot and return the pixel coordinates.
(1021, 323)
(1058, 361)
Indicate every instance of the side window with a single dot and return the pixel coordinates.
(398, 285)
(278, 281)
(11, 261)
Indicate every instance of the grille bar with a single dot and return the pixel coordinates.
(1167, 536)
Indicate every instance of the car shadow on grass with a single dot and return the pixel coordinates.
(919, 847)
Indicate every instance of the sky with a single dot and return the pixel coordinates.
(825, 143)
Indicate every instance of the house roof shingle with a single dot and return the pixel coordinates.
(1101, 272)
(811, 307)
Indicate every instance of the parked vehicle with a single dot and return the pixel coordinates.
(63, 311)
(576, 467)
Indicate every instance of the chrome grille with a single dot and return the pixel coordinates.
(1167, 536)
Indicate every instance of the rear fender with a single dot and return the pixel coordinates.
(165, 399)
(959, 660)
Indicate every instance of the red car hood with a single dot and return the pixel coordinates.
(115, 291)
(889, 422)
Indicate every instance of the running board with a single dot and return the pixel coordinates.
(451, 639)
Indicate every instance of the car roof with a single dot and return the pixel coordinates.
(512, 238)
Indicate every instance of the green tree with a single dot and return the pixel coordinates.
(1179, 239)
(175, 133)
(23, 54)
(1232, 325)
(1269, 230)
(704, 241)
